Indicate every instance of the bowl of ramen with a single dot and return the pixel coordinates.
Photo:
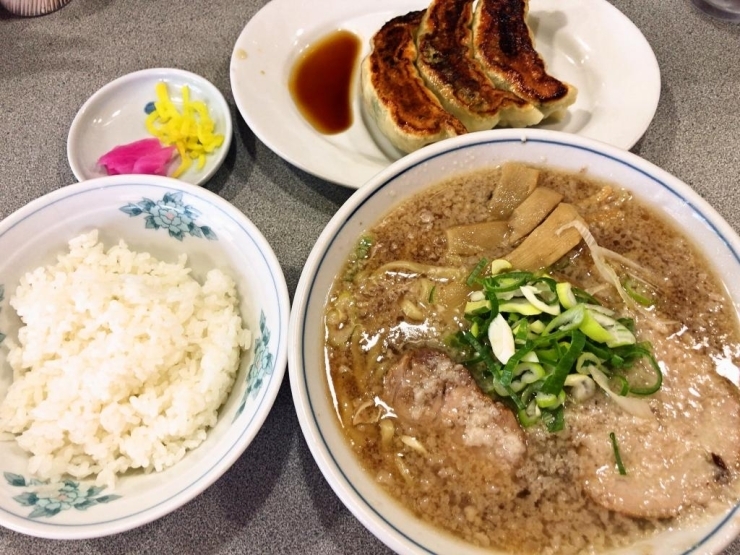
(525, 342)
(143, 326)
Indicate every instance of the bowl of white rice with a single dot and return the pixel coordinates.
(143, 328)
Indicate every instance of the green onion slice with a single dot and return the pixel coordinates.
(637, 291)
(530, 337)
(473, 277)
(556, 381)
(617, 456)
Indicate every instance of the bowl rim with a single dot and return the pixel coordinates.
(251, 427)
(156, 72)
(371, 517)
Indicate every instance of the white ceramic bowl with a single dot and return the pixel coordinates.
(145, 211)
(385, 518)
(115, 115)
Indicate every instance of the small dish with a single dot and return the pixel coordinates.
(589, 44)
(115, 115)
(165, 217)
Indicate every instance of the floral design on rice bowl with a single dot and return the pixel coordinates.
(48, 500)
(172, 214)
(262, 365)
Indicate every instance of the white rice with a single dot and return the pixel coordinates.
(123, 361)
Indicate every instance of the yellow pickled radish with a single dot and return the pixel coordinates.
(190, 130)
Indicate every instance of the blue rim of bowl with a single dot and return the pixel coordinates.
(161, 72)
(357, 502)
(206, 479)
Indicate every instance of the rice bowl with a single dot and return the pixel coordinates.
(166, 218)
(123, 361)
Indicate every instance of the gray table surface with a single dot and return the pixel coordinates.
(274, 499)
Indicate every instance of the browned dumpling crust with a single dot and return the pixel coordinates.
(447, 65)
(503, 44)
(405, 111)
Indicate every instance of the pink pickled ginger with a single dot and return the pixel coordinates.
(144, 156)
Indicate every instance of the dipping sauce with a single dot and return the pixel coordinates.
(321, 82)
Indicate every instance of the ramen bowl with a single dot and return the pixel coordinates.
(315, 401)
(166, 218)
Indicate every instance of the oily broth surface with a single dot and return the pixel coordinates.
(543, 507)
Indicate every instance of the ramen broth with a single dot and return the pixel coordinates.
(403, 291)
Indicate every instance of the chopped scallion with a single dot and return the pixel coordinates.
(476, 272)
(617, 456)
(530, 337)
(638, 292)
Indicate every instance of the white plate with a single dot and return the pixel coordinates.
(591, 45)
(115, 115)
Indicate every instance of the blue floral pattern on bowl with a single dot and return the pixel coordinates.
(172, 214)
(262, 365)
(68, 494)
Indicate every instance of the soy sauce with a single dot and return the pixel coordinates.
(321, 82)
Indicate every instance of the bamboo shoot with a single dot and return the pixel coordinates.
(474, 239)
(530, 213)
(517, 182)
(544, 246)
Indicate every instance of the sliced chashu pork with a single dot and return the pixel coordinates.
(503, 44)
(428, 391)
(395, 96)
(681, 457)
(445, 62)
